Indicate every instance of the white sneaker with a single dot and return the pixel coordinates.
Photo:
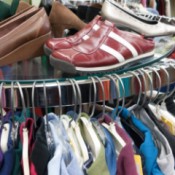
(125, 18)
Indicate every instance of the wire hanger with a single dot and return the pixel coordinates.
(1, 105)
(103, 98)
(117, 94)
(168, 85)
(46, 106)
(123, 93)
(60, 97)
(140, 90)
(94, 99)
(33, 103)
(153, 69)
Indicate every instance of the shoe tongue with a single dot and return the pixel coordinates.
(108, 23)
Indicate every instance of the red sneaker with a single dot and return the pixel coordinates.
(67, 42)
(107, 49)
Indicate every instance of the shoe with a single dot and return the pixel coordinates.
(68, 42)
(17, 16)
(163, 19)
(106, 50)
(125, 18)
(62, 18)
(22, 6)
(24, 38)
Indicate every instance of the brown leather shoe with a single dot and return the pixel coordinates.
(17, 16)
(22, 6)
(24, 38)
(62, 18)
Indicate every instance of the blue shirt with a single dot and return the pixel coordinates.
(110, 153)
(147, 149)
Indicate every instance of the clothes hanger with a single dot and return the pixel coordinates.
(153, 69)
(90, 135)
(140, 90)
(33, 103)
(3, 113)
(75, 125)
(119, 142)
(173, 91)
(5, 130)
(69, 124)
(25, 156)
(160, 110)
(136, 134)
(60, 97)
(95, 122)
(168, 86)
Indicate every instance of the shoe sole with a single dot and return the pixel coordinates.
(70, 68)
(28, 50)
(47, 50)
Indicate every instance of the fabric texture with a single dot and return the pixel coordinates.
(64, 160)
(162, 128)
(125, 162)
(147, 148)
(165, 157)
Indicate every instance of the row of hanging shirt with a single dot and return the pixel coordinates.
(136, 143)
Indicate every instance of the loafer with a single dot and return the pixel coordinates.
(68, 42)
(125, 18)
(107, 49)
(24, 38)
(17, 16)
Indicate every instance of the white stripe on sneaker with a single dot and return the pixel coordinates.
(123, 42)
(86, 37)
(95, 27)
(113, 52)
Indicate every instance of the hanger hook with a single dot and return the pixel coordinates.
(12, 101)
(22, 98)
(117, 92)
(168, 85)
(74, 99)
(153, 69)
(103, 94)
(1, 94)
(33, 102)
(95, 96)
(46, 105)
(172, 92)
(143, 85)
(79, 98)
(60, 97)
(123, 92)
(140, 89)
(151, 86)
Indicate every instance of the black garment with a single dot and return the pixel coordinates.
(165, 132)
(40, 154)
(133, 131)
(170, 105)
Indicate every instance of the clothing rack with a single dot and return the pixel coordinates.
(55, 87)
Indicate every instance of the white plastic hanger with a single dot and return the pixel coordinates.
(76, 128)
(25, 151)
(72, 137)
(119, 142)
(4, 137)
(89, 133)
(25, 156)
